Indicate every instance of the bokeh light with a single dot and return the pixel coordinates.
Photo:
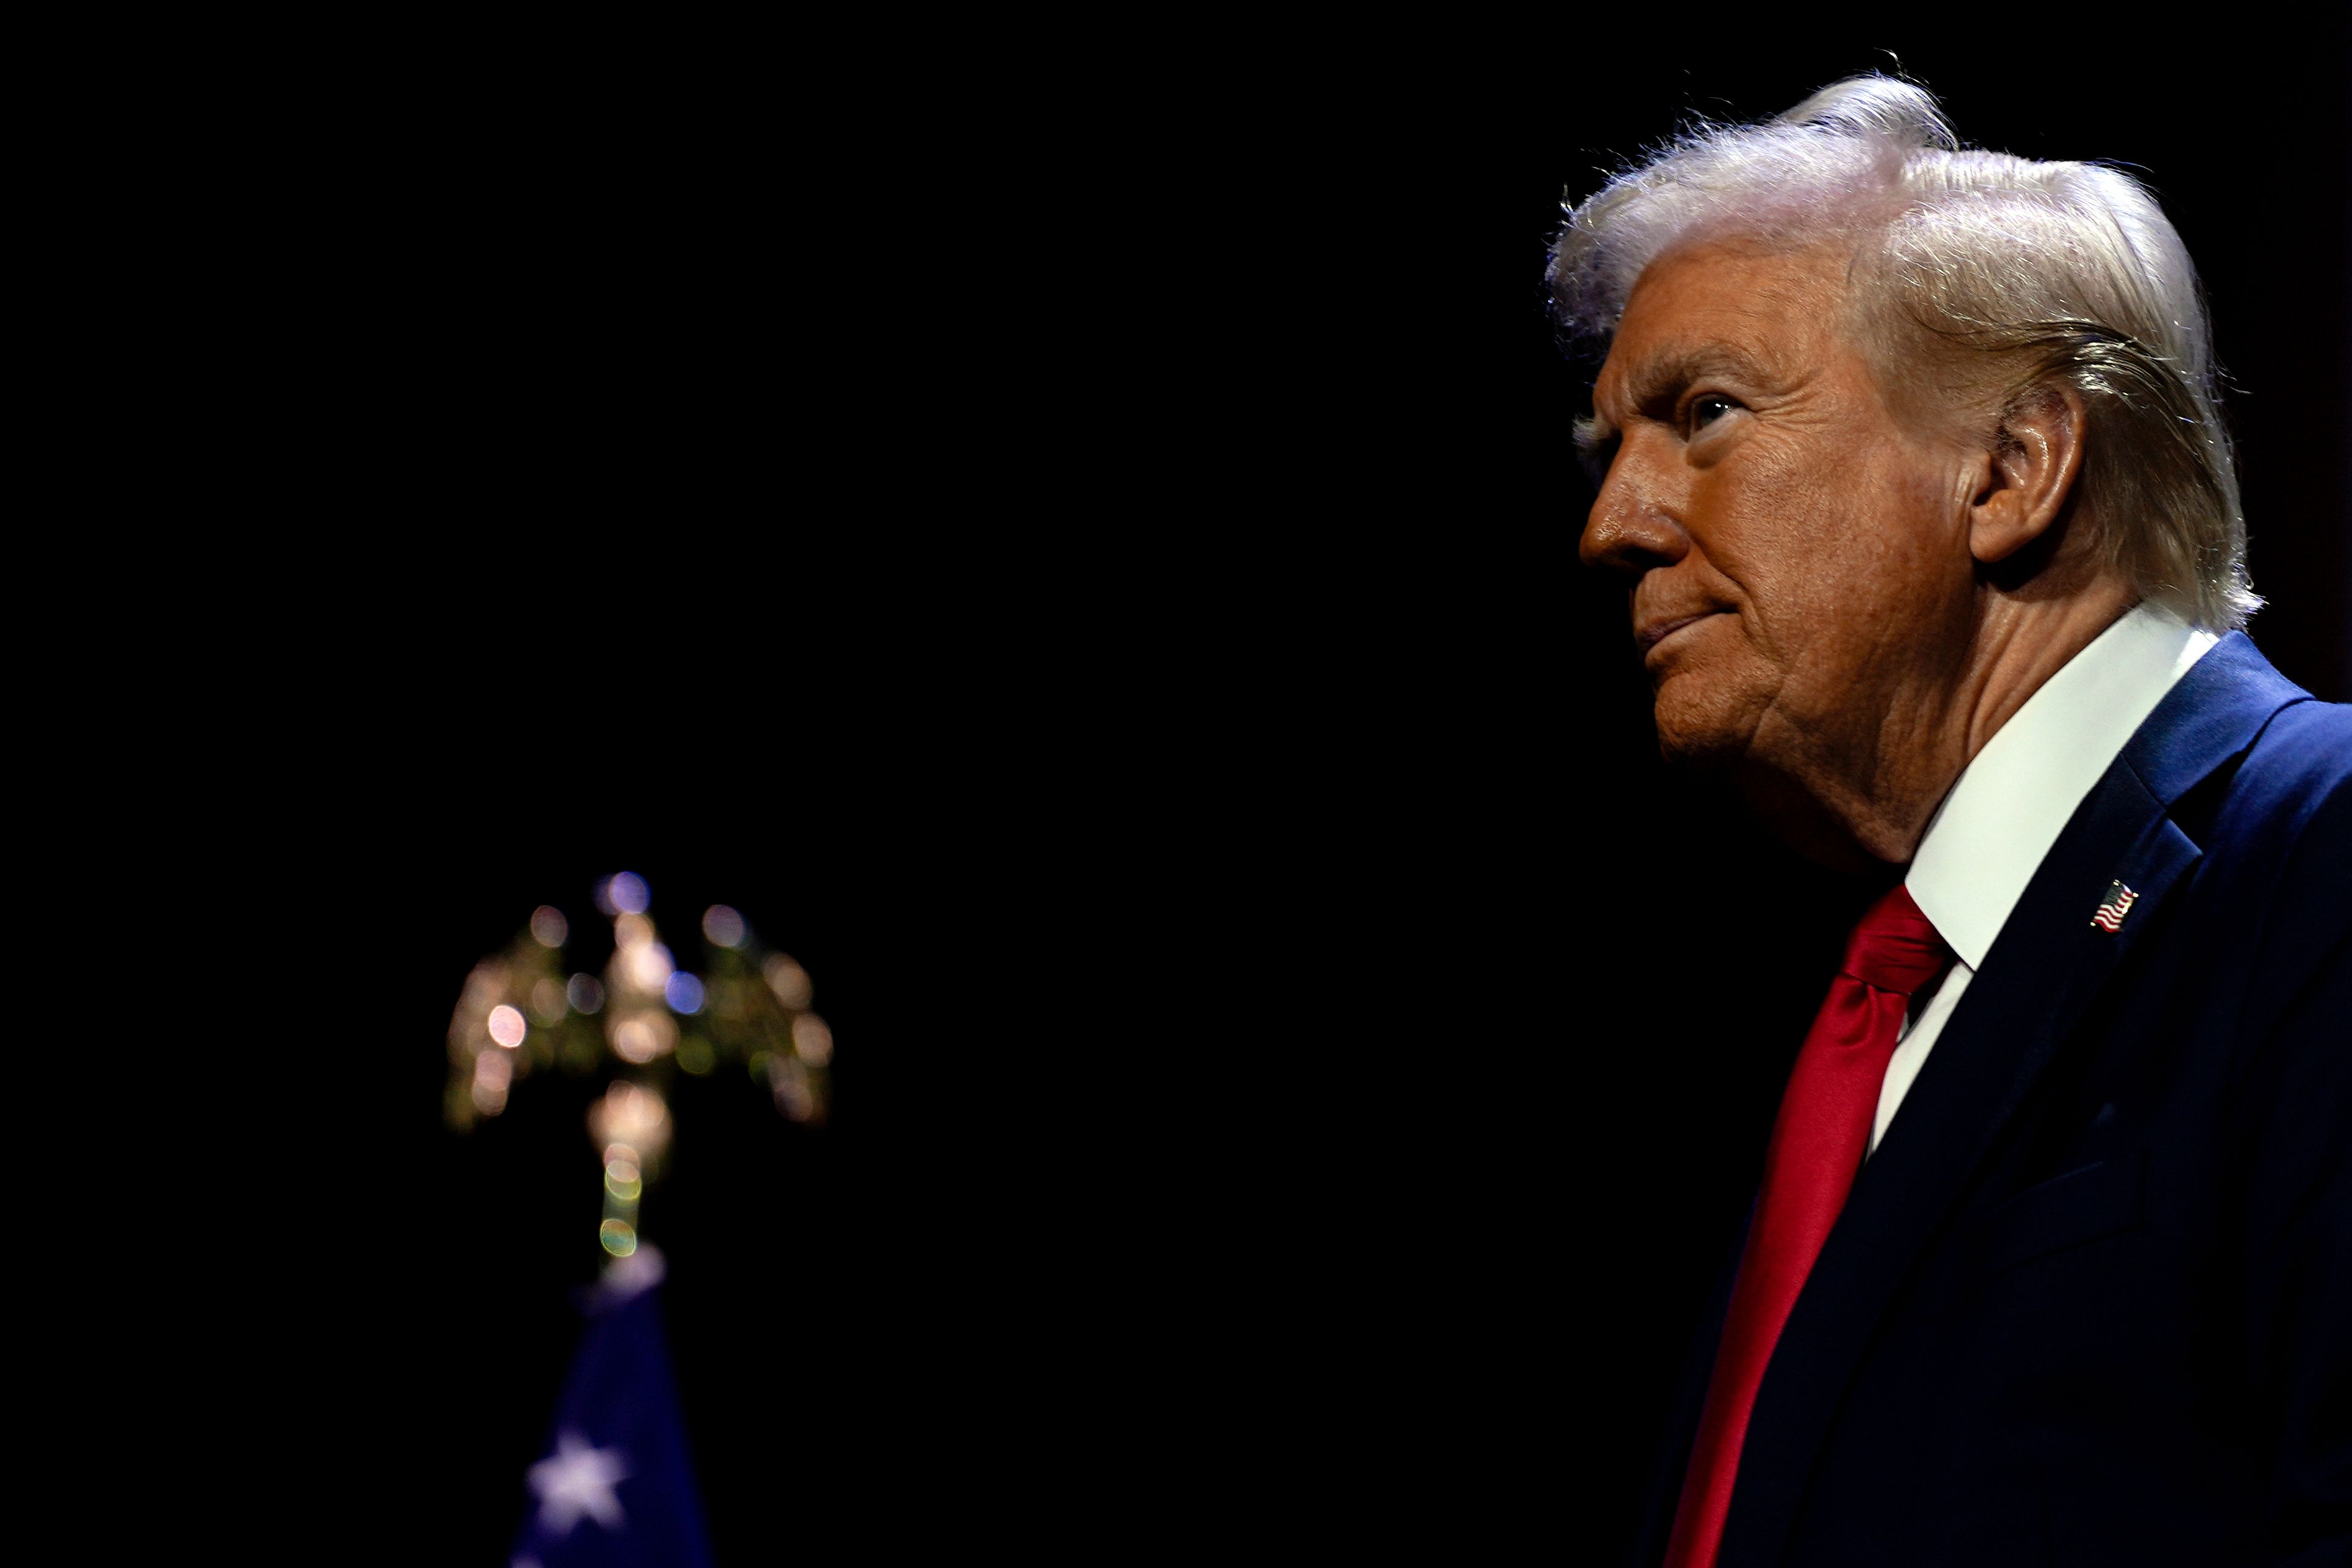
(639, 1037)
(623, 1180)
(723, 926)
(628, 894)
(634, 1115)
(493, 1071)
(549, 926)
(586, 993)
(619, 1236)
(812, 1039)
(645, 966)
(507, 1025)
(547, 1001)
(788, 1076)
(788, 980)
(682, 992)
(485, 986)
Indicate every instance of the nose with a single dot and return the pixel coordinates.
(1632, 528)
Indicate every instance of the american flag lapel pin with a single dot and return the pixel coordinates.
(2114, 908)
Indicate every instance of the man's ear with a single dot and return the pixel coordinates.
(2035, 458)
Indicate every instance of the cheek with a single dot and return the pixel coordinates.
(1826, 539)
(1787, 542)
(1923, 547)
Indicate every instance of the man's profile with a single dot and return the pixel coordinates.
(1912, 458)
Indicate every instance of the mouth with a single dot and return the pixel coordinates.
(1651, 638)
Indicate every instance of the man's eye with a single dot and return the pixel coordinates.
(1706, 411)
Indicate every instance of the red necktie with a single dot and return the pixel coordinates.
(1817, 1146)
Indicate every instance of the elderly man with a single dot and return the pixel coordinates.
(1912, 459)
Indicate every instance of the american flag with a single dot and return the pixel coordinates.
(2113, 908)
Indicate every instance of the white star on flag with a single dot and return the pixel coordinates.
(579, 1479)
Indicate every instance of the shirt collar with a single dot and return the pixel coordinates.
(2009, 804)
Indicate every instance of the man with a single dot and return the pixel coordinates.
(1913, 461)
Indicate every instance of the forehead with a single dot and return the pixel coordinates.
(1776, 314)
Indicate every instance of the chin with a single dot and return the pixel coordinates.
(1698, 729)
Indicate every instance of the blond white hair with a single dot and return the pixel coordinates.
(2053, 272)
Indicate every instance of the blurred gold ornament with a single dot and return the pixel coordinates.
(522, 1010)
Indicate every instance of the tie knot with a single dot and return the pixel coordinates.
(1894, 946)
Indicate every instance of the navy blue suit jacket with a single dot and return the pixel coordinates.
(2091, 1299)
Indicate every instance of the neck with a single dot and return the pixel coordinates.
(1870, 805)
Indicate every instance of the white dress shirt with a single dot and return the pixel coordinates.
(2009, 804)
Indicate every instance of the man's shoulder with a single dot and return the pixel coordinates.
(2272, 829)
(2298, 769)
(2236, 743)
(2282, 829)
(2305, 753)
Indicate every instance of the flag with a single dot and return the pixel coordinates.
(614, 1489)
(2114, 908)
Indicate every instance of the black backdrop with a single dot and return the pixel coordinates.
(1083, 558)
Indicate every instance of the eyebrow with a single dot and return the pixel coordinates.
(1654, 381)
(1659, 377)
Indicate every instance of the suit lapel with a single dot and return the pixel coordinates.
(2042, 972)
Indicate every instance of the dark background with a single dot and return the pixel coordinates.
(1086, 561)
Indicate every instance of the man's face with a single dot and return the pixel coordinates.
(1803, 584)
